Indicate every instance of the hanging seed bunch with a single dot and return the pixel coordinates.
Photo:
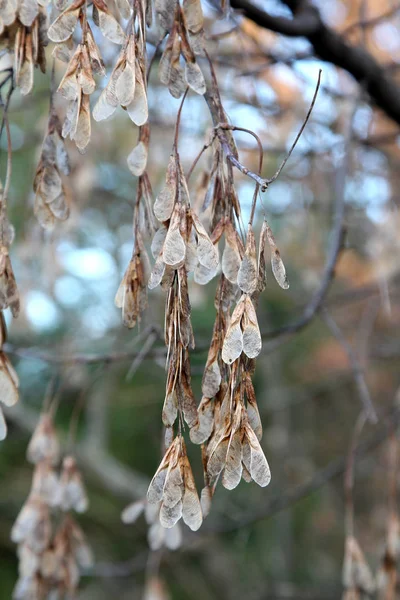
(387, 576)
(157, 535)
(9, 383)
(23, 26)
(49, 183)
(84, 62)
(127, 85)
(358, 581)
(51, 546)
(185, 40)
(131, 296)
(9, 298)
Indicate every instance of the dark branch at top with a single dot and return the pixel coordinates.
(332, 47)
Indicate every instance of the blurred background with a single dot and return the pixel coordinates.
(284, 541)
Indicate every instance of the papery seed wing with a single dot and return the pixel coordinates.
(156, 487)
(278, 269)
(245, 474)
(156, 536)
(133, 511)
(230, 263)
(158, 241)
(262, 271)
(259, 469)
(27, 12)
(201, 431)
(165, 201)
(191, 510)
(103, 109)
(194, 15)
(26, 521)
(165, 11)
(8, 388)
(217, 459)
(173, 537)
(252, 409)
(157, 272)
(195, 78)
(202, 275)
(174, 249)
(233, 343)
(138, 109)
(3, 426)
(120, 295)
(137, 159)
(252, 342)
(205, 501)
(124, 8)
(83, 129)
(125, 85)
(173, 488)
(63, 27)
(233, 466)
(206, 251)
(186, 401)
(247, 274)
(170, 515)
(109, 26)
(211, 379)
(170, 409)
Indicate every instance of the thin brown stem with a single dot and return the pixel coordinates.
(267, 182)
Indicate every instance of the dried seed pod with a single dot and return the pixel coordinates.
(138, 108)
(72, 495)
(3, 426)
(233, 342)
(45, 483)
(174, 249)
(9, 295)
(207, 253)
(202, 429)
(356, 574)
(254, 459)
(165, 201)
(33, 525)
(44, 445)
(64, 25)
(231, 258)
(247, 274)
(107, 23)
(251, 333)
(131, 296)
(9, 382)
(133, 511)
(278, 268)
(193, 15)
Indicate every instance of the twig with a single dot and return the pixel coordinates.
(349, 475)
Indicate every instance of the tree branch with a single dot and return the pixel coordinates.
(332, 47)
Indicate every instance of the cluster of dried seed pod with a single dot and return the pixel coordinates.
(84, 62)
(173, 486)
(131, 296)
(357, 578)
(9, 383)
(186, 39)
(51, 203)
(127, 85)
(23, 26)
(51, 546)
